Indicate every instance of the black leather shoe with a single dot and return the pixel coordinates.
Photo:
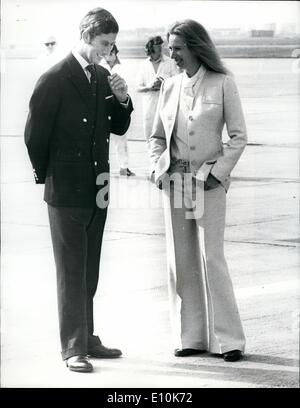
(187, 352)
(126, 172)
(233, 355)
(101, 351)
(80, 364)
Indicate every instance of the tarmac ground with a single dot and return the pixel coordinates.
(131, 304)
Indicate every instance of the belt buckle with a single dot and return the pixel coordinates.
(186, 165)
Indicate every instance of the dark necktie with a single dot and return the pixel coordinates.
(93, 81)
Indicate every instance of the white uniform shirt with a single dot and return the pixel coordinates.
(146, 77)
(116, 69)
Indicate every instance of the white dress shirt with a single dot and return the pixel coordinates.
(83, 63)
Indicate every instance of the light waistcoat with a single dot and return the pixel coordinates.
(182, 141)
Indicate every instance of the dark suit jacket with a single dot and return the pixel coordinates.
(66, 146)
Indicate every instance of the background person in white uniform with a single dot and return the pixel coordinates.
(187, 142)
(51, 55)
(112, 63)
(153, 71)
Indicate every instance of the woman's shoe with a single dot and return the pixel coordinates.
(187, 352)
(233, 355)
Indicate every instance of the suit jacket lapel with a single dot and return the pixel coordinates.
(80, 81)
(101, 88)
(171, 106)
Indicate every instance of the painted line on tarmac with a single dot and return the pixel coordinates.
(263, 243)
(290, 286)
(194, 369)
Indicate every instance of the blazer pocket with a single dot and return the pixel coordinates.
(70, 155)
(212, 95)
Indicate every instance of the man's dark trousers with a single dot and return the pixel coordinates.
(77, 238)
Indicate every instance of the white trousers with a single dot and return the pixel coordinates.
(121, 145)
(204, 313)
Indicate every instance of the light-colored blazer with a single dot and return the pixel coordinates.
(220, 104)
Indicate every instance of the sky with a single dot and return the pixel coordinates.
(31, 20)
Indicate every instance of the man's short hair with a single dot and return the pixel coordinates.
(156, 40)
(98, 21)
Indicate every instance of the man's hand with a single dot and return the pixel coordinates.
(211, 182)
(152, 179)
(157, 84)
(118, 87)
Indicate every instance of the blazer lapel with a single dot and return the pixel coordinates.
(169, 110)
(101, 88)
(80, 81)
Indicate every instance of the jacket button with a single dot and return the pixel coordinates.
(109, 117)
(191, 118)
(84, 120)
(193, 162)
(191, 133)
(107, 140)
(193, 147)
(95, 163)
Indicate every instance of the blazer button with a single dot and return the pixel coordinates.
(109, 117)
(107, 140)
(84, 120)
(193, 147)
(191, 118)
(191, 133)
(95, 163)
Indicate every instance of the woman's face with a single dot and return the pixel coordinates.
(183, 57)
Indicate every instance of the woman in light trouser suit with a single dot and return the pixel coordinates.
(186, 143)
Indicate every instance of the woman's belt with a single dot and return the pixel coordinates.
(182, 163)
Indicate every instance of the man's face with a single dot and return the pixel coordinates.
(99, 47)
(183, 57)
(50, 47)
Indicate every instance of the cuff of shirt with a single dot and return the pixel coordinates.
(125, 103)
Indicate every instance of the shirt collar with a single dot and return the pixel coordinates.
(190, 81)
(83, 63)
(161, 58)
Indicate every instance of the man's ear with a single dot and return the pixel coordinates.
(86, 37)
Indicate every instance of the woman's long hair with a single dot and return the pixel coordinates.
(199, 43)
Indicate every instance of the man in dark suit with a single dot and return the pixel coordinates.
(74, 107)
